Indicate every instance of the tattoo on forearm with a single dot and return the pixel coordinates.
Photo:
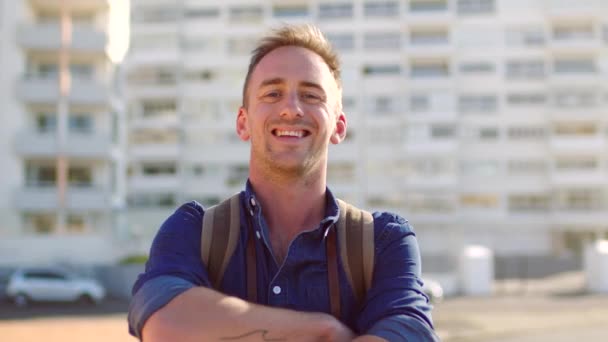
(262, 332)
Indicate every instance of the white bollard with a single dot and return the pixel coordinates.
(590, 266)
(600, 275)
(476, 271)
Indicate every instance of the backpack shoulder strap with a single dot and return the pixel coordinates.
(356, 247)
(219, 236)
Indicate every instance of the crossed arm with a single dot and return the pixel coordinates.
(226, 318)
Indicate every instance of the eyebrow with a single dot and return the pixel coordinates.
(278, 80)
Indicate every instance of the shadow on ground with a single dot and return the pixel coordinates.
(110, 306)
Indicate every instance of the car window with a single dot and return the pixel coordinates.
(46, 275)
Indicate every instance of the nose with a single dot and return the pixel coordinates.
(291, 107)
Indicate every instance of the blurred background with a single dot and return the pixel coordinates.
(483, 122)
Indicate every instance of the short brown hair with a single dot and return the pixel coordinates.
(306, 36)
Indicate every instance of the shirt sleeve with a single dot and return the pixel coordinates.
(396, 307)
(173, 267)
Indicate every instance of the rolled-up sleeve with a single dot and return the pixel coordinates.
(396, 307)
(173, 267)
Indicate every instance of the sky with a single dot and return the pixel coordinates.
(119, 30)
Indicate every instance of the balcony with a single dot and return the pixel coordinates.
(77, 199)
(74, 5)
(47, 36)
(154, 183)
(218, 153)
(154, 152)
(578, 144)
(169, 121)
(591, 178)
(44, 89)
(422, 148)
(35, 144)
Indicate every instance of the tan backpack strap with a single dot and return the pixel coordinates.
(219, 236)
(356, 242)
(332, 273)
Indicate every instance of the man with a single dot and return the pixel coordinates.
(291, 112)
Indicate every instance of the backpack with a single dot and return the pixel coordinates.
(355, 237)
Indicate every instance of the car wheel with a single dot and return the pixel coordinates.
(86, 299)
(21, 300)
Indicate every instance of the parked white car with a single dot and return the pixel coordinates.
(52, 285)
(433, 290)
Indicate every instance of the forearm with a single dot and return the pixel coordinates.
(202, 314)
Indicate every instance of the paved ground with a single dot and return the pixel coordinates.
(553, 310)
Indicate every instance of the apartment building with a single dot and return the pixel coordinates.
(59, 194)
(481, 121)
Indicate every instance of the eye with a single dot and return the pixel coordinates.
(310, 96)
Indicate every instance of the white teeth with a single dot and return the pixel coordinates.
(298, 134)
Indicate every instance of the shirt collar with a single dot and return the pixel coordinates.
(332, 211)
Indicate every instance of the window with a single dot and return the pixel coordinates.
(580, 129)
(381, 69)
(526, 99)
(470, 7)
(342, 41)
(162, 75)
(151, 200)
(525, 69)
(245, 14)
(384, 104)
(526, 166)
(431, 101)
(200, 43)
(526, 132)
(40, 175)
(290, 11)
(443, 131)
(525, 37)
(429, 203)
(385, 135)
(205, 13)
(580, 31)
(335, 10)
(579, 199)
(480, 168)
(488, 133)
(80, 123)
(150, 169)
(424, 6)
(382, 41)
(575, 98)
(477, 68)
(429, 37)
(529, 203)
(477, 103)
(479, 201)
(158, 108)
(146, 14)
(76, 223)
(381, 9)
(80, 176)
(237, 175)
(424, 69)
(576, 164)
(574, 65)
(199, 75)
(46, 122)
(40, 223)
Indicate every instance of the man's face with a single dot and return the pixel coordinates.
(292, 112)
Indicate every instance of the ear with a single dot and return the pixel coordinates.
(242, 124)
(340, 130)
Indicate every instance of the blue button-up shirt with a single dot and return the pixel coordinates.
(395, 307)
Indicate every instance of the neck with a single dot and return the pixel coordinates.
(292, 205)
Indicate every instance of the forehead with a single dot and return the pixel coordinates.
(293, 63)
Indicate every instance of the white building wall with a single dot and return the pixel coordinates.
(472, 155)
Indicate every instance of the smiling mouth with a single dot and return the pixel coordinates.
(290, 133)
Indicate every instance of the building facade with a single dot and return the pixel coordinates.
(60, 148)
(481, 121)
